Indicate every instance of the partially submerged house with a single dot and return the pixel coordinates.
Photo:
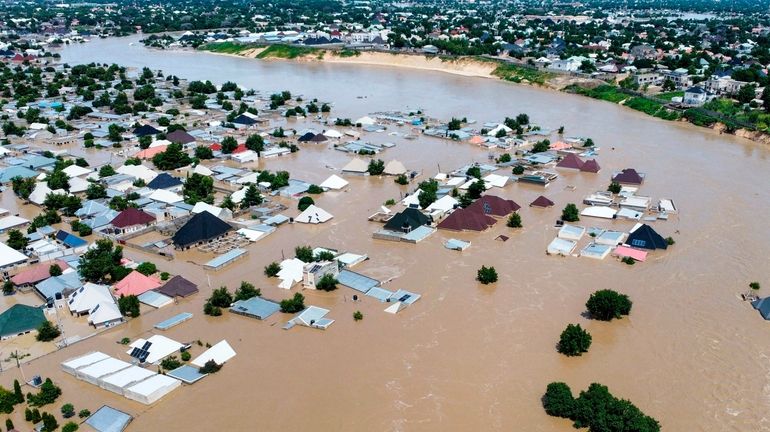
(20, 319)
(131, 220)
(407, 220)
(135, 284)
(541, 202)
(313, 215)
(645, 237)
(628, 176)
(202, 227)
(178, 286)
(313, 316)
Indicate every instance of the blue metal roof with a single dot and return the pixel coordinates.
(174, 320)
(256, 307)
(108, 419)
(186, 373)
(357, 281)
(225, 258)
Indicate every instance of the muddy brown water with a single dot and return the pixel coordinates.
(468, 356)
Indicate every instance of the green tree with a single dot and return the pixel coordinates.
(174, 157)
(247, 291)
(514, 220)
(106, 171)
(358, 316)
(541, 146)
(327, 282)
(17, 240)
(221, 297)
(428, 193)
(251, 197)
(17, 392)
(47, 394)
(23, 187)
(198, 187)
(68, 410)
(114, 133)
(294, 304)
(476, 189)
(229, 144)
(272, 269)
(70, 427)
(129, 305)
(558, 400)
(454, 124)
(96, 191)
(304, 253)
(574, 341)
(170, 363)
(376, 167)
(54, 270)
(49, 423)
(304, 203)
(47, 332)
(203, 152)
(614, 187)
(766, 98)
(98, 262)
(668, 85)
(605, 305)
(747, 93)
(145, 141)
(58, 180)
(210, 367)
(84, 413)
(255, 143)
(486, 275)
(147, 268)
(570, 213)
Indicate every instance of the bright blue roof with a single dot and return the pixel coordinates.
(380, 294)
(225, 258)
(256, 307)
(186, 373)
(174, 320)
(56, 284)
(16, 171)
(357, 281)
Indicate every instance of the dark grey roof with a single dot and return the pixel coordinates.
(201, 227)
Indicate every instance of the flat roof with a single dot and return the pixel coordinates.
(174, 320)
(226, 258)
(357, 281)
(108, 419)
(187, 374)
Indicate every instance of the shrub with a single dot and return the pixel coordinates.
(164, 276)
(514, 220)
(304, 253)
(518, 170)
(210, 367)
(247, 291)
(170, 363)
(272, 269)
(186, 356)
(570, 213)
(574, 341)
(358, 316)
(47, 332)
(558, 400)
(304, 203)
(628, 260)
(605, 305)
(401, 179)
(670, 241)
(327, 283)
(67, 410)
(48, 394)
(754, 285)
(147, 268)
(221, 297)
(70, 427)
(614, 187)
(486, 275)
(84, 413)
(314, 189)
(211, 310)
(294, 304)
(125, 341)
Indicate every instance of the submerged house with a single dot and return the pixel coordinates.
(407, 220)
(645, 237)
(628, 176)
(131, 220)
(202, 227)
(20, 319)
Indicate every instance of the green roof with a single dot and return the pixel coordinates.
(20, 318)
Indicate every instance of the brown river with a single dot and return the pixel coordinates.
(468, 356)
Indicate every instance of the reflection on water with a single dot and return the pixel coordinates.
(467, 357)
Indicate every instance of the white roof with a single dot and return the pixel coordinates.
(365, 120)
(313, 215)
(152, 389)
(88, 296)
(249, 178)
(468, 184)
(78, 184)
(496, 180)
(571, 232)
(245, 156)
(455, 181)
(159, 143)
(76, 171)
(252, 235)
(331, 133)
(102, 368)
(103, 312)
(165, 196)
(599, 212)
(291, 272)
(356, 165)
(412, 199)
(41, 190)
(11, 221)
(10, 256)
(84, 360)
(334, 182)
(160, 347)
(128, 376)
(138, 172)
(219, 212)
(443, 204)
(220, 353)
(394, 167)
(239, 195)
(202, 170)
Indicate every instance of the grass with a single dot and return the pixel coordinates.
(613, 94)
(670, 95)
(514, 73)
(604, 92)
(348, 53)
(286, 51)
(227, 47)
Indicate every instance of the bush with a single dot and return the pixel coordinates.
(294, 304)
(67, 410)
(574, 341)
(210, 367)
(614, 187)
(221, 297)
(486, 275)
(304, 203)
(358, 316)
(211, 310)
(570, 213)
(327, 283)
(514, 221)
(48, 394)
(84, 413)
(272, 269)
(47, 332)
(607, 304)
(754, 285)
(170, 363)
(129, 305)
(314, 189)
(558, 400)
(164, 276)
(401, 179)
(670, 241)
(186, 356)
(70, 427)
(147, 268)
(247, 291)
(628, 260)
(304, 253)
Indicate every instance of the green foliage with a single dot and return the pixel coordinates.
(17, 240)
(229, 144)
(605, 305)
(518, 170)
(327, 283)
(504, 158)
(574, 341)
(315, 189)
(376, 167)
(97, 263)
(476, 189)
(402, 179)
(614, 187)
(198, 187)
(597, 410)
(147, 268)
(203, 152)
(47, 332)
(286, 51)
(129, 305)
(67, 410)
(164, 276)
(70, 427)
(96, 191)
(486, 275)
(358, 316)
(454, 124)
(49, 423)
(517, 74)
(186, 356)
(541, 146)
(255, 143)
(23, 187)
(304, 203)
(428, 193)
(670, 241)
(58, 180)
(172, 158)
(48, 394)
(221, 297)
(570, 213)
(514, 220)
(251, 197)
(84, 413)
(754, 285)
(54, 270)
(170, 363)
(628, 260)
(272, 269)
(106, 171)
(247, 291)
(294, 304)
(304, 253)
(210, 367)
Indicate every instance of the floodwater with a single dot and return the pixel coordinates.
(467, 356)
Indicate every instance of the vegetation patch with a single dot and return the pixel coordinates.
(228, 47)
(517, 74)
(286, 52)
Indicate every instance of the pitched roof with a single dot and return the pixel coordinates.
(628, 176)
(178, 286)
(203, 226)
(763, 306)
(319, 138)
(164, 181)
(356, 165)
(134, 284)
(590, 166)
(646, 238)
(541, 201)
(244, 120)
(20, 318)
(313, 215)
(494, 206)
(410, 218)
(306, 137)
(571, 161)
(132, 216)
(37, 273)
(145, 130)
(462, 220)
(180, 137)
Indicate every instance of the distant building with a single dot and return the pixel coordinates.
(313, 272)
(695, 96)
(648, 78)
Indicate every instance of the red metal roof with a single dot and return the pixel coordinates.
(131, 217)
